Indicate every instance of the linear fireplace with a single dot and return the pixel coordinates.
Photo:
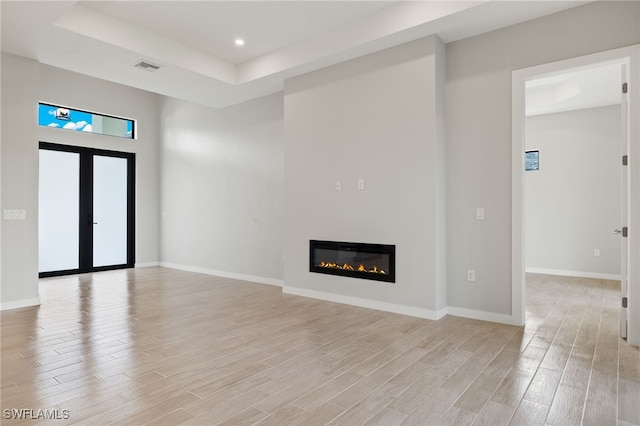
(357, 260)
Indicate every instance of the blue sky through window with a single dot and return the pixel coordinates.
(49, 115)
(82, 121)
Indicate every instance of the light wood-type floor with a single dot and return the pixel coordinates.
(159, 346)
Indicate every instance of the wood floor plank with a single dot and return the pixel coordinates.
(629, 401)
(494, 413)
(304, 385)
(324, 393)
(365, 409)
(176, 417)
(457, 416)
(415, 394)
(543, 386)
(161, 346)
(357, 392)
(285, 416)
(222, 406)
(530, 413)
(513, 388)
(387, 417)
(320, 416)
(245, 418)
(432, 408)
(567, 406)
(484, 386)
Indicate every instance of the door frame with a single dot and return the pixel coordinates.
(630, 55)
(85, 222)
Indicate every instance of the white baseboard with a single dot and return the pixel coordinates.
(579, 274)
(224, 274)
(20, 304)
(480, 315)
(367, 303)
(146, 264)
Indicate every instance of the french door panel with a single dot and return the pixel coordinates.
(59, 204)
(109, 211)
(104, 212)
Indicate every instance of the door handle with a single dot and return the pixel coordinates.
(95, 223)
(624, 231)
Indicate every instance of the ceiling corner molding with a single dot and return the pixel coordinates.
(391, 26)
(89, 23)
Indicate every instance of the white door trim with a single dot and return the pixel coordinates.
(630, 55)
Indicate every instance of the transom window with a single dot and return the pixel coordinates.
(61, 117)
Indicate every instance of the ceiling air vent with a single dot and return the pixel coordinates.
(147, 66)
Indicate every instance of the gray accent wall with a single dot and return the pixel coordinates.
(572, 204)
(377, 118)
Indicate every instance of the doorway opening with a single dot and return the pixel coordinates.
(86, 210)
(558, 81)
(573, 194)
(573, 188)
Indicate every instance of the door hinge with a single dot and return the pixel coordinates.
(625, 160)
(625, 231)
(624, 302)
(625, 87)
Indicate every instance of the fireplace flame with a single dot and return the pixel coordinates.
(348, 267)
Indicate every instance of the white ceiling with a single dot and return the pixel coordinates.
(213, 26)
(193, 41)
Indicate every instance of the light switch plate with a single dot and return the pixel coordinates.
(14, 214)
(479, 213)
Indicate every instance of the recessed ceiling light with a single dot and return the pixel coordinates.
(239, 42)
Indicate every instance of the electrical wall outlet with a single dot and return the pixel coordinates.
(471, 275)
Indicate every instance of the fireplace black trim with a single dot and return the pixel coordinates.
(385, 249)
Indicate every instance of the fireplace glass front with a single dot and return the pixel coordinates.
(357, 260)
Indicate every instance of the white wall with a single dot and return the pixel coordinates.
(479, 136)
(222, 188)
(19, 152)
(24, 83)
(572, 203)
(378, 117)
